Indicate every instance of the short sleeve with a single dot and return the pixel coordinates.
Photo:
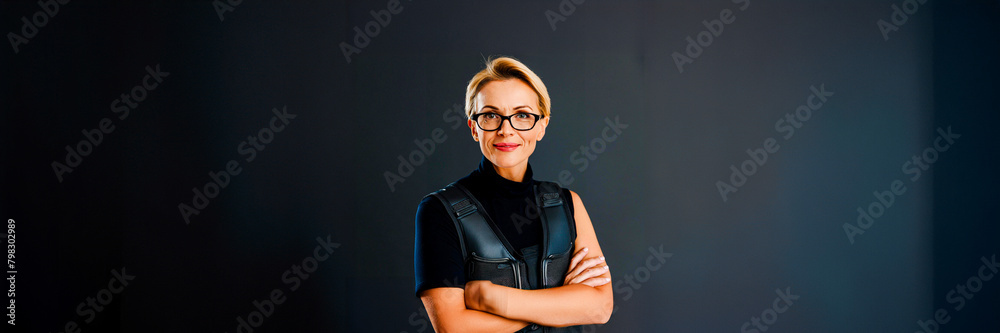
(438, 260)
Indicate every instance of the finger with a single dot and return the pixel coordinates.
(577, 257)
(572, 271)
(590, 273)
(596, 281)
(590, 263)
(583, 265)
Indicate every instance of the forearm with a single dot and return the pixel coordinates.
(569, 305)
(448, 313)
(476, 321)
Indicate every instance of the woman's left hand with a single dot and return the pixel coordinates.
(587, 271)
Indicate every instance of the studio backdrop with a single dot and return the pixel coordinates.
(251, 166)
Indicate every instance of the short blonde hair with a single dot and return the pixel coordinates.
(505, 68)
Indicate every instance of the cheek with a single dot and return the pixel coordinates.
(532, 137)
(484, 139)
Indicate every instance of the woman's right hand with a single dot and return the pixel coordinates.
(587, 271)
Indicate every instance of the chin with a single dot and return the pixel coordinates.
(507, 160)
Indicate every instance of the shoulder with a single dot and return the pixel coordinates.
(433, 223)
(566, 192)
(432, 207)
(577, 201)
(576, 204)
(430, 210)
(574, 196)
(431, 199)
(577, 208)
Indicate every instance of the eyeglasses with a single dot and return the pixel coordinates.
(491, 121)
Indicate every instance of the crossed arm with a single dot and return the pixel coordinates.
(584, 298)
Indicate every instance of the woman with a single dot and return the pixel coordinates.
(525, 250)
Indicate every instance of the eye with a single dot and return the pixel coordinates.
(522, 116)
(490, 115)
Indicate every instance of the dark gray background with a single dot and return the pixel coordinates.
(654, 186)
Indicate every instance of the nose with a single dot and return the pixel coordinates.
(506, 127)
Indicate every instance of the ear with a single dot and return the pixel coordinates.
(544, 122)
(475, 130)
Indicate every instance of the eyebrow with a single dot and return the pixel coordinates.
(515, 108)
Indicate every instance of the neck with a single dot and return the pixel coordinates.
(513, 174)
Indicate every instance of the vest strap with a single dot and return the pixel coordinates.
(556, 221)
(477, 232)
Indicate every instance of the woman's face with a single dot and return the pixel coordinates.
(507, 147)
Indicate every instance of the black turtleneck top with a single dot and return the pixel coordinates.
(438, 258)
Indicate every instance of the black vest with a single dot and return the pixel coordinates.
(488, 255)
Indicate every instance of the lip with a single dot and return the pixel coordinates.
(506, 147)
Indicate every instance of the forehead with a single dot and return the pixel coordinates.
(507, 94)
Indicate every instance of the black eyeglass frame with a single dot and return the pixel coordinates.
(475, 118)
